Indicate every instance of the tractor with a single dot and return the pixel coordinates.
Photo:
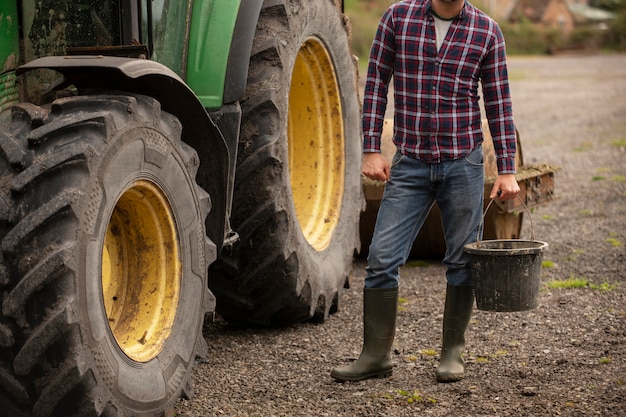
(161, 161)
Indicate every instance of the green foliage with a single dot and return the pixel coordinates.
(408, 396)
(605, 286)
(613, 5)
(616, 243)
(429, 352)
(577, 283)
(365, 15)
(521, 38)
(419, 263)
(525, 38)
(615, 38)
(415, 396)
(568, 283)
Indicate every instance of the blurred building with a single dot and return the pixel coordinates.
(565, 15)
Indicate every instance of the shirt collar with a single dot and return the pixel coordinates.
(428, 5)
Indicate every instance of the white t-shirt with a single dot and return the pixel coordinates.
(441, 27)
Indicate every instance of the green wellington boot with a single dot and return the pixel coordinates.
(380, 308)
(456, 316)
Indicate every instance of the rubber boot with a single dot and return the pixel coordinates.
(456, 317)
(380, 308)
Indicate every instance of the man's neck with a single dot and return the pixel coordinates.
(447, 9)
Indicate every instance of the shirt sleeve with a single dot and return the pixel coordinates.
(498, 104)
(379, 72)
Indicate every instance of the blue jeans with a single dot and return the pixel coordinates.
(456, 186)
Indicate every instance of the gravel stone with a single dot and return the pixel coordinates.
(567, 357)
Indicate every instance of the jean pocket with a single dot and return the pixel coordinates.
(475, 157)
(397, 157)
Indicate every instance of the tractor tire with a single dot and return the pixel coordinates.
(105, 259)
(298, 193)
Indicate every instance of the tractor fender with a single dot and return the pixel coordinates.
(240, 50)
(156, 80)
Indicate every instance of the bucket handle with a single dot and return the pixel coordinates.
(482, 221)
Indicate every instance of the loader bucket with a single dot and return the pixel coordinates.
(502, 220)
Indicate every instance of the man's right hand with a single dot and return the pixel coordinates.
(376, 167)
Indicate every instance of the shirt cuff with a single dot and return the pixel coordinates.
(371, 145)
(506, 166)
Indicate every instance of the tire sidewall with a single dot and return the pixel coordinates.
(323, 22)
(143, 154)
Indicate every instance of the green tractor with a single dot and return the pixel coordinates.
(162, 160)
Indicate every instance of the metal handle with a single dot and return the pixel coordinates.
(482, 221)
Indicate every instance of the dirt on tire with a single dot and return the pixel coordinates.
(73, 311)
(567, 357)
(275, 273)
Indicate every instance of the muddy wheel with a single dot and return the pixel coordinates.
(297, 193)
(106, 259)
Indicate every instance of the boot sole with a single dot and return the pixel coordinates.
(450, 377)
(380, 375)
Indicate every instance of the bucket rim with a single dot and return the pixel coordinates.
(486, 247)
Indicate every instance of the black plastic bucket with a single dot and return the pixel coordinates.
(506, 273)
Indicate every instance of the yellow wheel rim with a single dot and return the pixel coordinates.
(141, 271)
(316, 144)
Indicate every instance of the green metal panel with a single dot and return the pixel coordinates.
(9, 41)
(9, 53)
(169, 29)
(212, 26)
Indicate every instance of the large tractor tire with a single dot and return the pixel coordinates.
(104, 289)
(298, 192)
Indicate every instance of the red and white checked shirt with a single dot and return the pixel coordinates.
(437, 113)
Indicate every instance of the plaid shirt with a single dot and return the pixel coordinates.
(437, 113)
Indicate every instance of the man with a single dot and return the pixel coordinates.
(437, 52)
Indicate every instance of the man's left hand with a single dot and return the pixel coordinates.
(505, 187)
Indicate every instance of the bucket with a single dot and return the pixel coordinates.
(506, 273)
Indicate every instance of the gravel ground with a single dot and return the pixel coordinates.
(567, 357)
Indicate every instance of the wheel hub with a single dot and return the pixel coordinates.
(141, 271)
